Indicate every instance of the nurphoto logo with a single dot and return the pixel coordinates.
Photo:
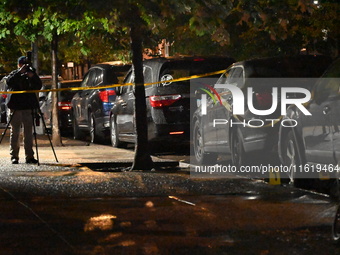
(238, 96)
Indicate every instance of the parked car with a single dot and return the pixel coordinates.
(168, 103)
(313, 144)
(246, 142)
(64, 106)
(91, 107)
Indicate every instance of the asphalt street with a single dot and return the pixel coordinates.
(86, 204)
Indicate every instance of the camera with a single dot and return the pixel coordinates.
(28, 61)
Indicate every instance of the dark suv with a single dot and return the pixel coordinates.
(312, 146)
(91, 107)
(248, 136)
(168, 103)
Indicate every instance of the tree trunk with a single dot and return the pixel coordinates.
(56, 138)
(35, 59)
(142, 160)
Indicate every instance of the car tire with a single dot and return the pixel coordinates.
(238, 155)
(291, 156)
(336, 226)
(202, 157)
(92, 130)
(114, 136)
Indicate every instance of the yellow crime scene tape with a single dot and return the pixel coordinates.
(111, 85)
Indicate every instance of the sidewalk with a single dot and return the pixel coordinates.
(75, 152)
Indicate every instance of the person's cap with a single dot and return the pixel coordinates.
(22, 60)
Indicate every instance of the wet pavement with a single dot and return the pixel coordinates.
(84, 204)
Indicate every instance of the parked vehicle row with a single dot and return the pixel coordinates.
(108, 114)
(168, 102)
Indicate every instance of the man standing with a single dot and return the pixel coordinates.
(22, 108)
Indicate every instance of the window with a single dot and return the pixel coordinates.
(329, 85)
(85, 80)
(334, 70)
(130, 78)
(88, 79)
(233, 76)
(99, 77)
(223, 80)
(147, 74)
(236, 77)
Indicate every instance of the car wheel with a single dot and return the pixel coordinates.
(115, 142)
(336, 226)
(238, 155)
(93, 132)
(201, 156)
(292, 159)
(290, 156)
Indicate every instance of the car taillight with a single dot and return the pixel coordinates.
(177, 133)
(64, 106)
(264, 100)
(161, 101)
(105, 94)
(198, 59)
(4, 96)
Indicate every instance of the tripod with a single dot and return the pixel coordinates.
(36, 112)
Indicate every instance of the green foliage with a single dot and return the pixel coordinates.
(98, 30)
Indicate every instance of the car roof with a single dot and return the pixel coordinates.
(161, 60)
(196, 64)
(69, 83)
(286, 66)
(112, 65)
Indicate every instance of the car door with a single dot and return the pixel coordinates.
(332, 81)
(82, 98)
(125, 108)
(210, 113)
(319, 129)
(223, 110)
(207, 122)
(335, 124)
(92, 96)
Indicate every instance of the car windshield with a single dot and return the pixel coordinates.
(334, 70)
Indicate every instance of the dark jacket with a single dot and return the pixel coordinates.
(17, 81)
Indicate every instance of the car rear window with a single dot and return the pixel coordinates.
(180, 69)
(67, 95)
